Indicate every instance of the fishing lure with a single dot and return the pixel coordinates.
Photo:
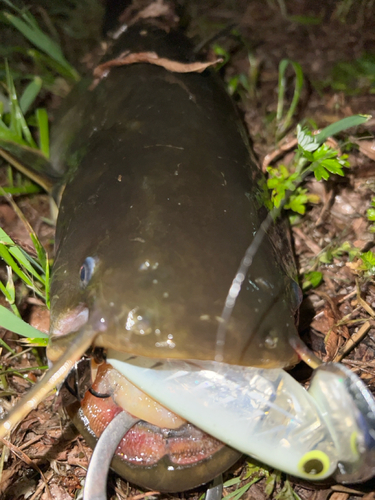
(159, 199)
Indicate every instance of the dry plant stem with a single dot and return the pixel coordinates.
(309, 243)
(344, 489)
(41, 487)
(270, 157)
(45, 184)
(354, 340)
(22, 456)
(339, 496)
(120, 494)
(30, 442)
(366, 307)
(325, 208)
(349, 296)
(52, 378)
(152, 58)
(2, 460)
(144, 495)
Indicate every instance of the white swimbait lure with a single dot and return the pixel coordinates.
(327, 431)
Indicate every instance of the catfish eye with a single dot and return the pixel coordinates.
(86, 271)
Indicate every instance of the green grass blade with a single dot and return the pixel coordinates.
(21, 190)
(8, 135)
(9, 260)
(27, 262)
(5, 345)
(337, 127)
(47, 285)
(11, 322)
(284, 124)
(42, 121)
(36, 36)
(30, 93)
(5, 291)
(17, 120)
(23, 257)
(9, 249)
(14, 123)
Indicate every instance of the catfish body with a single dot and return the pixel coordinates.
(160, 198)
(163, 195)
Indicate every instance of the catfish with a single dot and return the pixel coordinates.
(160, 197)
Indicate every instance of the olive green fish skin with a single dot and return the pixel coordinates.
(163, 192)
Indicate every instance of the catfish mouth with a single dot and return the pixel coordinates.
(162, 451)
(145, 443)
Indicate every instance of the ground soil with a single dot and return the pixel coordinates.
(45, 449)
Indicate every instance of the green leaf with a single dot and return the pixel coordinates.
(37, 342)
(8, 259)
(371, 214)
(10, 321)
(30, 93)
(368, 259)
(36, 36)
(270, 484)
(232, 482)
(306, 140)
(297, 203)
(42, 120)
(344, 124)
(307, 20)
(333, 166)
(9, 251)
(312, 280)
(320, 173)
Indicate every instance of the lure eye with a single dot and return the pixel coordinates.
(86, 271)
(314, 464)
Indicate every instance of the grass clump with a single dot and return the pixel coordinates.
(33, 272)
(48, 51)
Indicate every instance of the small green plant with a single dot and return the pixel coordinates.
(371, 215)
(352, 77)
(245, 84)
(368, 263)
(364, 265)
(312, 156)
(332, 252)
(254, 473)
(281, 180)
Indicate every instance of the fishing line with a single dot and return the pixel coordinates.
(243, 269)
